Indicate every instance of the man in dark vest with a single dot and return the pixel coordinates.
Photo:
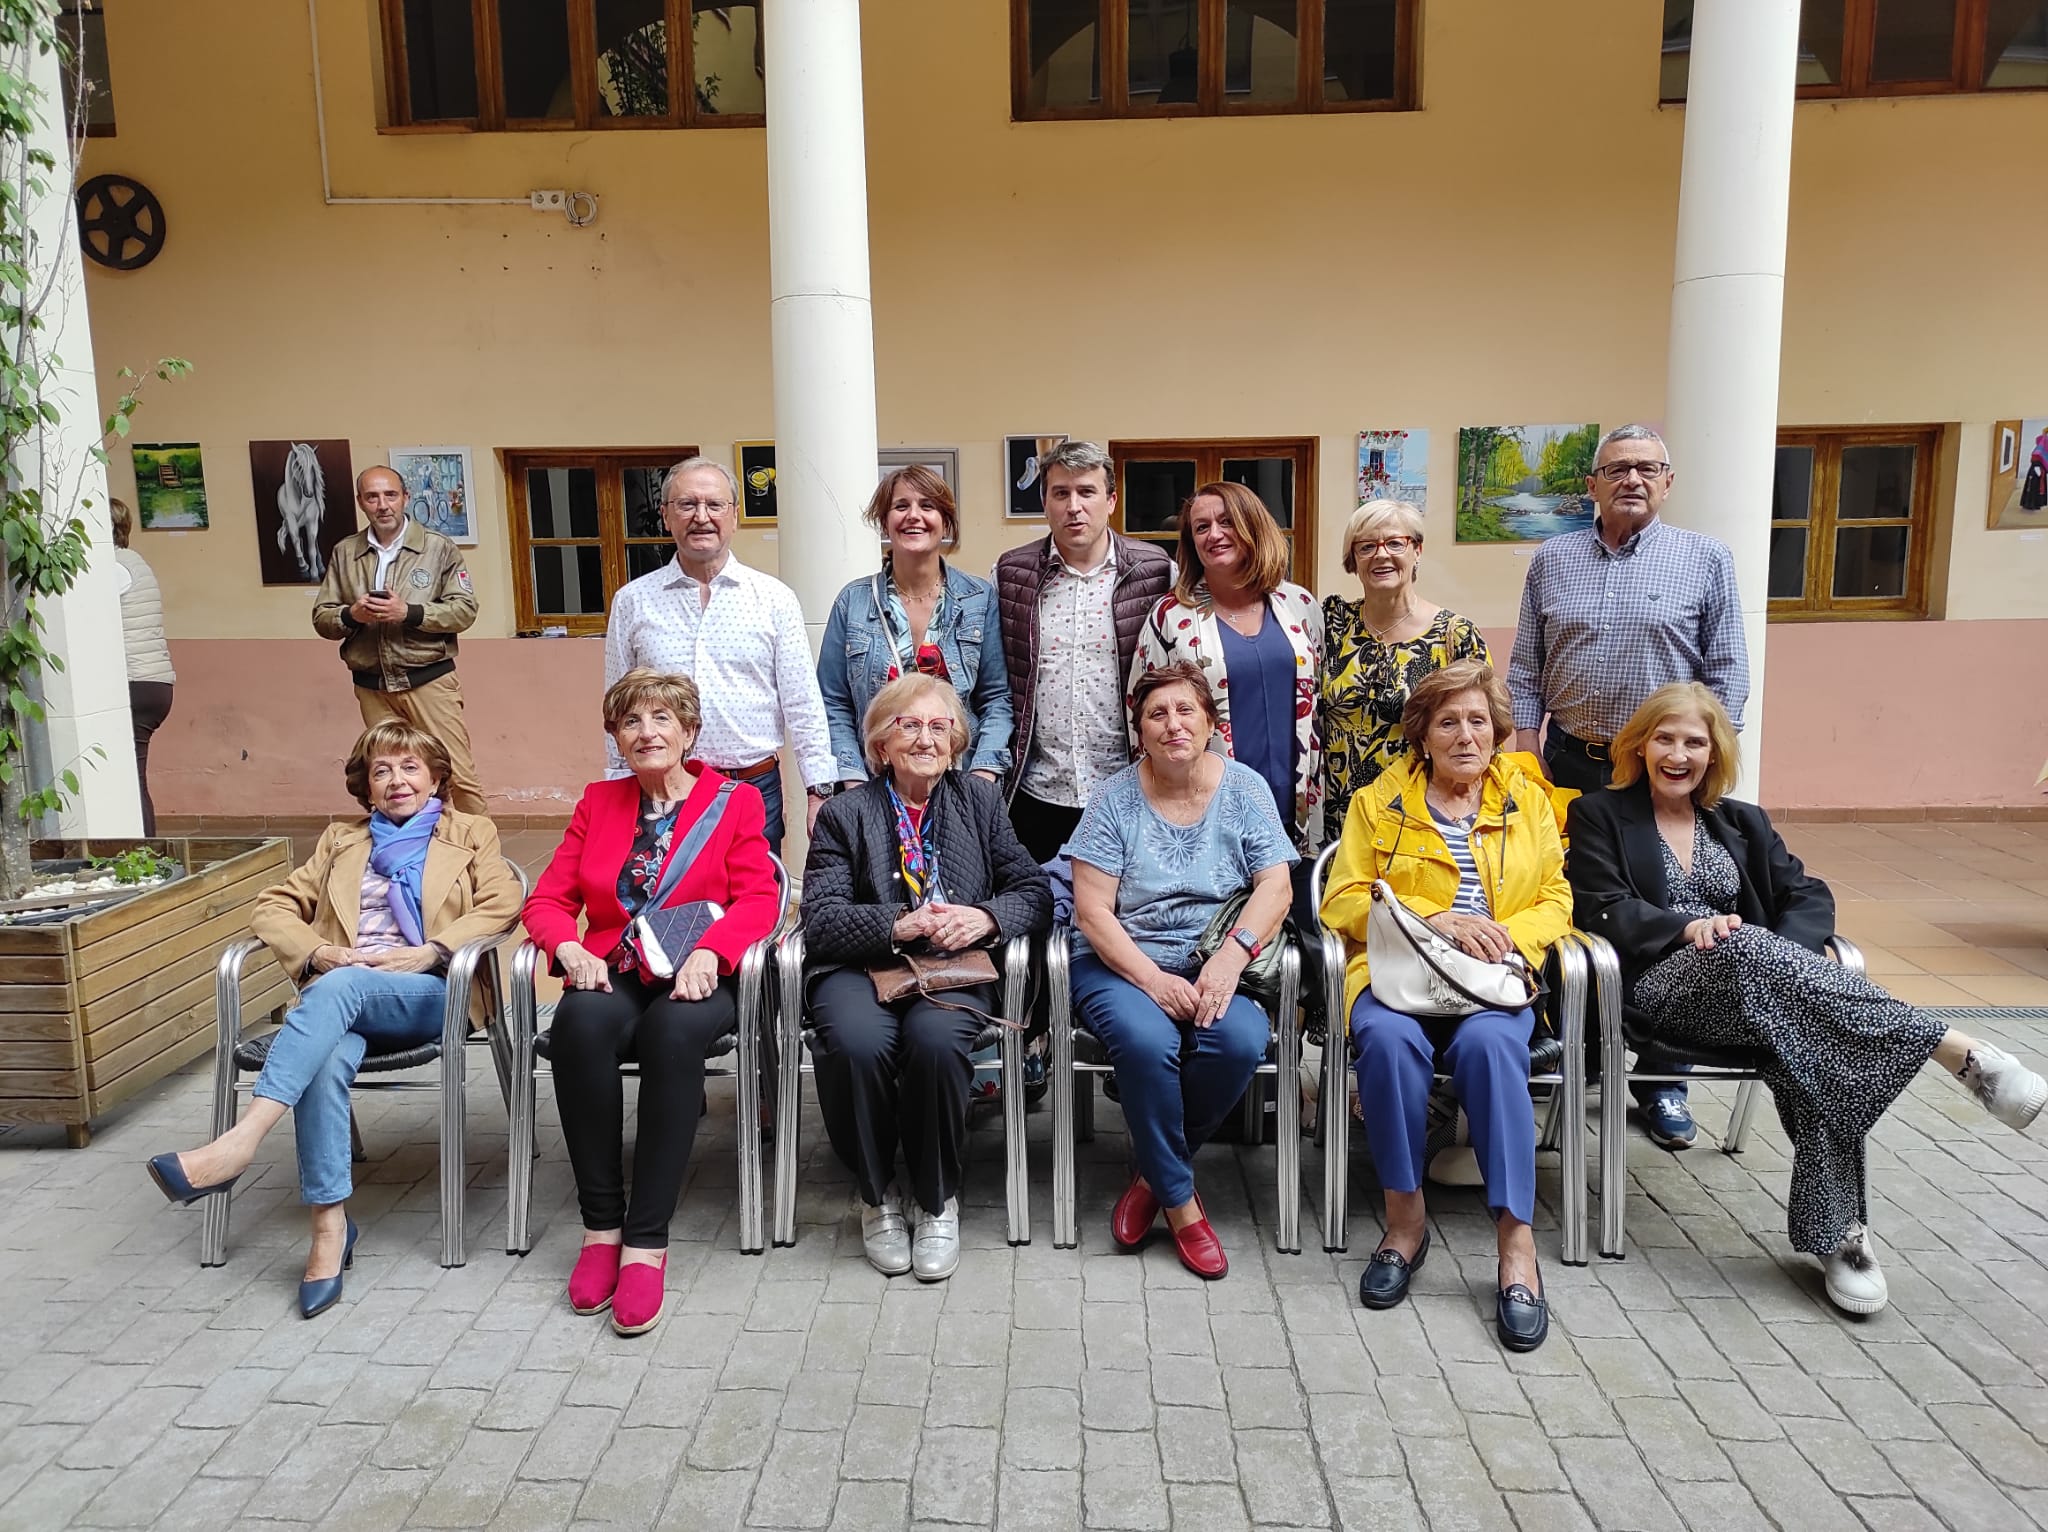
(1071, 605)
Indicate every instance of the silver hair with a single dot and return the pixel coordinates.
(691, 465)
(1375, 514)
(1078, 458)
(1633, 432)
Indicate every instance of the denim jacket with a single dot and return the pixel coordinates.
(856, 657)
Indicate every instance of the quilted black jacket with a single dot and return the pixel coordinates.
(853, 877)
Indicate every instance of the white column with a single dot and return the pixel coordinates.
(1728, 300)
(824, 339)
(88, 727)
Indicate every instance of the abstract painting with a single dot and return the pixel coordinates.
(438, 493)
(305, 504)
(170, 487)
(1524, 484)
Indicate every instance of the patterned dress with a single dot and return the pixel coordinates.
(1838, 1051)
(1360, 691)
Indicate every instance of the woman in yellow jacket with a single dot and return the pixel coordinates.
(1468, 840)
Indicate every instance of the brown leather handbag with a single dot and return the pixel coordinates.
(930, 974)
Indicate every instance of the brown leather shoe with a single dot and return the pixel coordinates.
(1200, 1250)
(1131, 1220)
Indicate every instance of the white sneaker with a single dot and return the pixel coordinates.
(1855, 1285)
(936, 1254)
(2007, 1089)
(885, 1236)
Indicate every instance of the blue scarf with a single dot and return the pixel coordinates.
(399, 852)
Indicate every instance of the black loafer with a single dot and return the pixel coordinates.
(1385, 1280)
(1522, 1318)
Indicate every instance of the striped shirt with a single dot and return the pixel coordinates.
(1601, 628)
(1457, 833)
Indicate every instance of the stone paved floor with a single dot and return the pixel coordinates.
(1702, 1382)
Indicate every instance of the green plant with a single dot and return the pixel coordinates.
(138, 864)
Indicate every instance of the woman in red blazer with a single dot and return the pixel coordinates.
(613, 1010)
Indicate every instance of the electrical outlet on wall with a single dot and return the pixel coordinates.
(548, 201)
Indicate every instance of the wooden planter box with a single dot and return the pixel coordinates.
(100, 1006)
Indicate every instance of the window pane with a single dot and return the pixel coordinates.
(632, 58)
(1164, 38)
(533, 44)
(1871, 561)
(642, 490)
(1820, 45)
(1153, 493)
(645, 558)
(1358, 50)
(2016, 45)
(1270, 478)
(1792, 486)
(1260, 52)
(1915, 40)
(568, 581)
(1877, 482)
(1788, 563)
(561, 502)
(83, 27)
(440, 59)
(1066, 54)
(726, 59)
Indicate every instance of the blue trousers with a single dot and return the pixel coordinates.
(1176, 1081)
(313, 1060)
(769, 783)
(1487, 1055)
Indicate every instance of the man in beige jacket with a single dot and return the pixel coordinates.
(395, 595)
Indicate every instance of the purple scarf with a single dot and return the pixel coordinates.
(399, 852)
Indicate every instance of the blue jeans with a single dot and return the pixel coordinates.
(769, 784)
(340, 1016)
(1487, 1055)
(1176, 1081)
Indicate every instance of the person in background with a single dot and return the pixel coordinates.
(1072, 604)
(150, 676)
(738, 633)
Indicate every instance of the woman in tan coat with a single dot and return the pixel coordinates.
(365, 928)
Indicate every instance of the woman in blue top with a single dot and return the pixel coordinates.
(915, 616)
(1166, 844)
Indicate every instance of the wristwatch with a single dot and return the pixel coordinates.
(823, 790)
(1251, 944)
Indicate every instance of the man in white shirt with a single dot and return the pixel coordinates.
(738, 633)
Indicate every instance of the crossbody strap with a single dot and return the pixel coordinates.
(686, 853)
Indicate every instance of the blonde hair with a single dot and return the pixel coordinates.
(1376, 516)
(1675, 701)
(645, 686)
(892, 699)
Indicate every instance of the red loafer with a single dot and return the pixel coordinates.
(636, 1306)
(595, 1278)
(1131, 1220)
(1200, 1250)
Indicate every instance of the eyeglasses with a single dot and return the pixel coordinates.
(692, 507)
(1366, 549)
(913, 728)
(1614, 473)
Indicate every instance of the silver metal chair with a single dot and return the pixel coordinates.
(236, 1052)
(1078, 1056)
(1564, 1123)
(1620, 1030)
(529, 1044)
(793, 1062)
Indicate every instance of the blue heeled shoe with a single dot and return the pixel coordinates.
(172, 1181)
(320, 1294)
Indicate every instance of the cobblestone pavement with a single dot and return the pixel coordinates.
(1703, 1382)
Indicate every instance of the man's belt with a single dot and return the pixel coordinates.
(373, 680)
(755, 770)
(1591, 750)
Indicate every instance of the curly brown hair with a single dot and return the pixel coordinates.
(394, 736)
(645, 686)
(1440, 686)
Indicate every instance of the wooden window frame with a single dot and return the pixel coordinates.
(609, 464)
(490, 82)
(1208, 453)
(1818, 603)
(1112, 31)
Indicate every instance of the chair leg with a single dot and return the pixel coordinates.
(227, 1001)
(1567, 1125)
(1613, 1104)
(1084, 1108)
(1287, 1102)
(454, 1150)
(1738, 1125)
(1010, 1049)
(1333, 1116)
(1252, 1128)
(789, 1044)
(1060, 999)
(520, 1110)
(747, 1098)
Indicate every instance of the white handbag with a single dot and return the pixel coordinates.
(1419, 972)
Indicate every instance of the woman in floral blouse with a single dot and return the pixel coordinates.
(1376, 650)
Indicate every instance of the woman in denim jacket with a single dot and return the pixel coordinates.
(916, 615)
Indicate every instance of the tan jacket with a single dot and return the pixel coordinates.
(429, 576)
(468, 890)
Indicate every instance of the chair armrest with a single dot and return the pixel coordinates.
(227, 998)
(462, 966)
(520, 992)
(1015, 988)
(1847, 953)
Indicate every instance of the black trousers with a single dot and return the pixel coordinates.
(1042, 827)
(149, 704)
(893, 1076)
(636, 1022)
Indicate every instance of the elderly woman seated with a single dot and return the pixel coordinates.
(1165, 846)
(675, 836)
(365, 928)
(1720, 932)
(1466, 839)
(918, 859)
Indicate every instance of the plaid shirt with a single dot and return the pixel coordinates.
(1602, 628)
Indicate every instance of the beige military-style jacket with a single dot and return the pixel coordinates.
(429, 576)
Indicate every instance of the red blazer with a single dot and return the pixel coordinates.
(733, 870)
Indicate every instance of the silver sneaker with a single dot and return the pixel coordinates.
(885, 1236)
(1855, 1285)
(936, 1254)
(2006, 1088)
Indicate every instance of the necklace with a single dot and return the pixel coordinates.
(921, 595)
(1237, 617)
(1380, 635)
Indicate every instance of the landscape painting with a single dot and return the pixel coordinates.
(170, 487)
(1394, 465)
(1524, 484)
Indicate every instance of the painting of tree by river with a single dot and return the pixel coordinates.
(1524, 484)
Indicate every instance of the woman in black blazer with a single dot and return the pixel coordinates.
(1720, 932)
(920, 857)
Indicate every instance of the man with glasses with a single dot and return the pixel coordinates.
(738, 633)
(1608, 616)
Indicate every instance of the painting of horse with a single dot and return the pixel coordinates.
(305, 504)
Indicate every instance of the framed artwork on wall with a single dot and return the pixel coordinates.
(438, 489)
(2019, 474)
(943, 461)
(305, 504)
(1394, 465)
(170, 487)
(756, 462)
(1022, 455)
(1524, 484)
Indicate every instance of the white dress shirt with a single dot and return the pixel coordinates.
(746, 649)
(386, 557)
